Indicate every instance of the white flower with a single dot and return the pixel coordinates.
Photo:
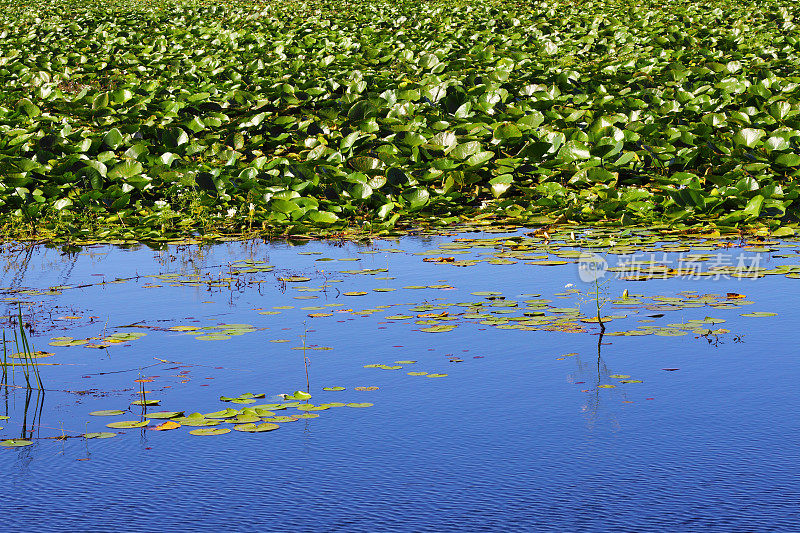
(231, 212)
(569, 286)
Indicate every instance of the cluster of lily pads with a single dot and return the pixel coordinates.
(144, 121)
(251, 419)
(97, 342)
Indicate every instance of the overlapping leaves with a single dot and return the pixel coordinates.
(140, 120)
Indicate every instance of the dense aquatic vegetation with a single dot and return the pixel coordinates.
(148, 120)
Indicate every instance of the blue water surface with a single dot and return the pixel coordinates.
(516, 437)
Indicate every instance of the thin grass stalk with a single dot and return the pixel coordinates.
(24, 349)
(5, 361)
(25, 369)
(29, 352)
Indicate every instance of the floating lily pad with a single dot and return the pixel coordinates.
(225, 413)
(166, 426)
(760, 314)
(15, 443)
(99, 435)
(209, 432)
(38, 354)
(107, 412)
(365, 404)
(333, 388)
(164, 414)
(281, 419)
(297, 395)
(128, 424)
(256, 428)
(438, 329)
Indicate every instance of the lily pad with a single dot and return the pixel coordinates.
(164, 414)
(209, 432)
(99, 435)
(107, 412)
(128, 424)
(15, 443)
(256, 428)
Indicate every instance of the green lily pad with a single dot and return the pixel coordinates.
(218, 337)
(99, 435)
(128, 424)
(225, 413)
(256, 428)
(107, 412)
(281, 419)
(15, 443)
(209, 432)
(164, 414)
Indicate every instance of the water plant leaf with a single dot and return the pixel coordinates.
(166, 426)
(209, 432)
(164, 414)
(99, 435)
(128, 424)
(15, 443)
(256, 428)
(37, 354)
(281, 419)
(107, 412)
(225, 413)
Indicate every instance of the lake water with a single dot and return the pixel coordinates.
(536, 423)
